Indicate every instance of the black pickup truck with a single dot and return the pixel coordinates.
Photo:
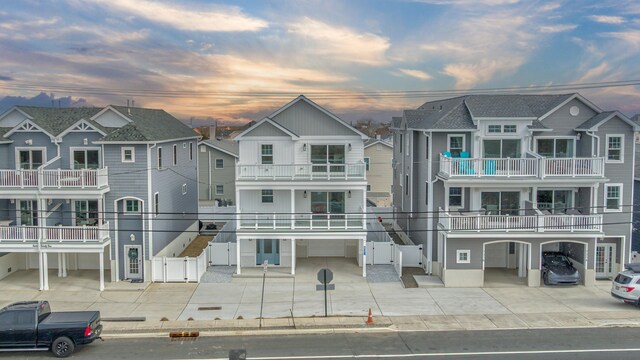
(31, 326)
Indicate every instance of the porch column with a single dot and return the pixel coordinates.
(59, 264)
(40, 273)
(293, 256)
(100, 211)
(364, 257)
(594, 200)
(446, 197)
(101, 260)
(64, 265)
(293, 210)
(45, 271)
(238, 246)
(364, 208)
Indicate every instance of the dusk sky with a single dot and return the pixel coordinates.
(216, 50)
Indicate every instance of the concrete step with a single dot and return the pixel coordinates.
(428, 281)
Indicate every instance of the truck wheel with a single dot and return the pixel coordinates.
(62, 347)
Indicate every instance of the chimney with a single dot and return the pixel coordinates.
(212, 130)
(378, 136)
(133, 103)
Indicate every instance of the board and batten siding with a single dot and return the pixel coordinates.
(303, 119)
(250, 150)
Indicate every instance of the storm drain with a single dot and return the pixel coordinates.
(205, 308)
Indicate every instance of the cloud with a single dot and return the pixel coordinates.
(341, 43)
(607, 19)
(557, 28)
(594, 73)
(469, 2)
(6, 78)
(630, 37)
(215, 19)
(418, 74)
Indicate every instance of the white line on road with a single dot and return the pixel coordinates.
(487, 353)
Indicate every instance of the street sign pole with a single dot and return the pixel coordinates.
(264, 277)
(325, 292)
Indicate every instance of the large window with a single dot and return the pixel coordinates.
(455, 197)
(555, 201)
(267, 196)
(332, 155)
(556, 148)
(86, 159)
(327, 202)
(615, 146)
(266, 154)
(29, 213)
(456, 145)
(503, 203)
(86, 212)
(501, 148)
(613, 197)
(30, 159)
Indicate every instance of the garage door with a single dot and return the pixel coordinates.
(327, 248)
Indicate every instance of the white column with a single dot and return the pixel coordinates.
(40, 273)
(238, 243)
(446, 197)
(364, 208)
(293, 210)
(59, 264)
(364, 257)
(293, 256)
(594, 200)
(64, 265)
(101, 260)
(45, 271)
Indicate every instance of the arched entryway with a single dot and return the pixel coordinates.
(506, 263)
(575, 250)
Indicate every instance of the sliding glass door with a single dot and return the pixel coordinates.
(501, 202)
(329, 158)
(556, 148)
(501, 149)
(555, 201)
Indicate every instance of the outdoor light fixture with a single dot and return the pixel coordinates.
(305, 194)
(304, 147)
(85, 141)
(28, 141)
(349, 194)
(349, 147)
(132, 237)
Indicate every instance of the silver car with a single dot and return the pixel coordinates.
(626, 286)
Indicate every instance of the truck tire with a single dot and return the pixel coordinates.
(62, 347)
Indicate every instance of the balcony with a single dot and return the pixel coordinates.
(475, 222)
(54, 179)
(535, 168)
(301, 172)
(53, 235)
(311, 222)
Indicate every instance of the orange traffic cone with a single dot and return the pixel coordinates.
(370, 318)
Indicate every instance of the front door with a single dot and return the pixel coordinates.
(605, 260)
(133, 262)
(268, 250)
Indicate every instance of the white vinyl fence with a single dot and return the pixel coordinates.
(222, 253)
(397, 261)
(179, 269)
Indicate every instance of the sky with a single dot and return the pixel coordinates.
(224, 60)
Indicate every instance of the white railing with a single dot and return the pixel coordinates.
(573, 167)
(57, 234)
(522, 167)
(301, 172)
(513, 223)
(301, 222)
(58, 178)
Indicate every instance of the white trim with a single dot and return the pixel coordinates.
(30, 123)
(574, 96)
(606, 149)
(140, 274)
(94, 117)
(460, 252)
(127, 212)
(464, 141)
(217, 148)
(24, 148)
(630, 122)
(621, 198)
(216, 163)
(273, 157)
(379, 141)
(184, 189)
(133, 154)
(72, 149)
(149, 142)
(256, 125)
(554, 138)
(78, 123)
(528, 243)
(12, 109)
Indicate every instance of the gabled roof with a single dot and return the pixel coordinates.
(267, 121)
(226, 146)
(396, 121)
(599, 119)
(537, 125)
(498, 106)
(373, 141)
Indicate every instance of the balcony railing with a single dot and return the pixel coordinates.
(301, 172)
(54, 179)
(54, 234)
(456, 222)
(301, 222)
(521, 167)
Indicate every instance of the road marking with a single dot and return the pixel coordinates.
(487, 353)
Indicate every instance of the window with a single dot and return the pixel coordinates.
(426, 193)
(556, 148)
(456, 145)
(613, 197)
(219, 163)
(328, 154)
(128, 154)
(510, 129)
(500, 203)
(367, 162)
(555, 201)
(219, 189)
(132, 206)
(400, 143)
(184, 189)
(426, 147)
(156, 204)
(190, 151)
(406, 184)
(615, 145)
(28, 212)
(30, 159)
(266, 153)
(495, 129)
(159, 158)
(86, 159)
(368, 187)
(86, 212)
(175, 155)
(463, 256)
(267, 196)
(455, 197)
(501, 149)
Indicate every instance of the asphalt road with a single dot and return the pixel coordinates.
(600, 343)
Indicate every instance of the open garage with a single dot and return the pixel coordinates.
(575, 250)
(506, 263)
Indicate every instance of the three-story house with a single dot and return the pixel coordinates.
(95, 188)
(490, 182)
(300, 188)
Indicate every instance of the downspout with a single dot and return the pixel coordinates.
(430, 217)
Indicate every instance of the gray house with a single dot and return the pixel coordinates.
(95, 188)
(489, 182)
(217, 172)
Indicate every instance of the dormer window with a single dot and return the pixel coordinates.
(495, 129)
(510, 129)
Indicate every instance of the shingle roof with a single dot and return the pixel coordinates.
(372, 141)
(595, 120)
(538, 125)
(147, 125)
(226, 145)
(498, 106)
(396, 121)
